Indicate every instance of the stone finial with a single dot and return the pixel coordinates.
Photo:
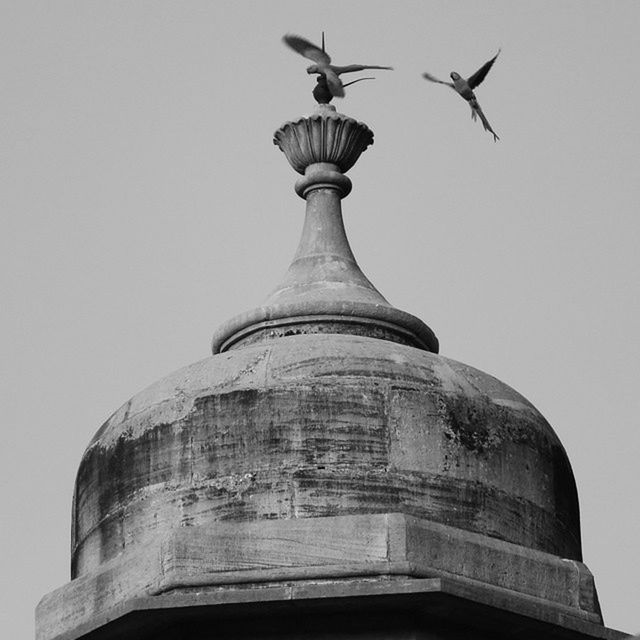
(324, 289)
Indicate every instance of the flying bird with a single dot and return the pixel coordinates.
(323, 68)
(465, 89)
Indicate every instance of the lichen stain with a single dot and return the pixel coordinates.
(188, 499)
(249, 370)
(480, 425)
(235, 484)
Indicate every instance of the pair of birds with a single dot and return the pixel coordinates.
(330, 86)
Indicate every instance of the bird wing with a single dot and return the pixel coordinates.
(307, 49)
(350, 68)
(431, 78)
(335, 84)
(474, 80)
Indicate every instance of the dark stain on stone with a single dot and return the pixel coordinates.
(298, 425)
(566, 497)
(480, 425)
(465, 504)
(189, 499)
(108, 477)
(319, 448)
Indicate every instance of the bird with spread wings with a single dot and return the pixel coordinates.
(465, 88)
(328, 74)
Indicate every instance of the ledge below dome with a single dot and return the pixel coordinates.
(197, 562)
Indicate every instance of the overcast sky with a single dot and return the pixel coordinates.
(143, 204)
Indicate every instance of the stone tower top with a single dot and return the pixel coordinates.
(325, 471)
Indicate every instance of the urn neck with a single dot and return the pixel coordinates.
(324, 268)
(323, 231)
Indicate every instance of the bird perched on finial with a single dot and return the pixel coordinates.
(329, 84)
(465, 89)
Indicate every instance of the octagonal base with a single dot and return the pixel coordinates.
(288, 570)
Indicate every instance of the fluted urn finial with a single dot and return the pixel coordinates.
(324, 138)
(324, 289)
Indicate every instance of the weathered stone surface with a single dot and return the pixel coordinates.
(310, 426)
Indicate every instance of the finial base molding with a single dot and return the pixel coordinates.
(339, 316)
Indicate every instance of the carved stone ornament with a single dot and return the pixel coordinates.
(325, 136)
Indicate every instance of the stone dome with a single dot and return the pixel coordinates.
(324, 425)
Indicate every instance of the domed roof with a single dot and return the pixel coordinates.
(324, 437)
(324, 425)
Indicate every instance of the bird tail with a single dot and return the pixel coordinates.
(476, 112)
(346, 84)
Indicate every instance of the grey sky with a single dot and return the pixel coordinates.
(143, 204)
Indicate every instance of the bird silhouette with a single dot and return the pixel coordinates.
(465, 89)
(328, 74)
